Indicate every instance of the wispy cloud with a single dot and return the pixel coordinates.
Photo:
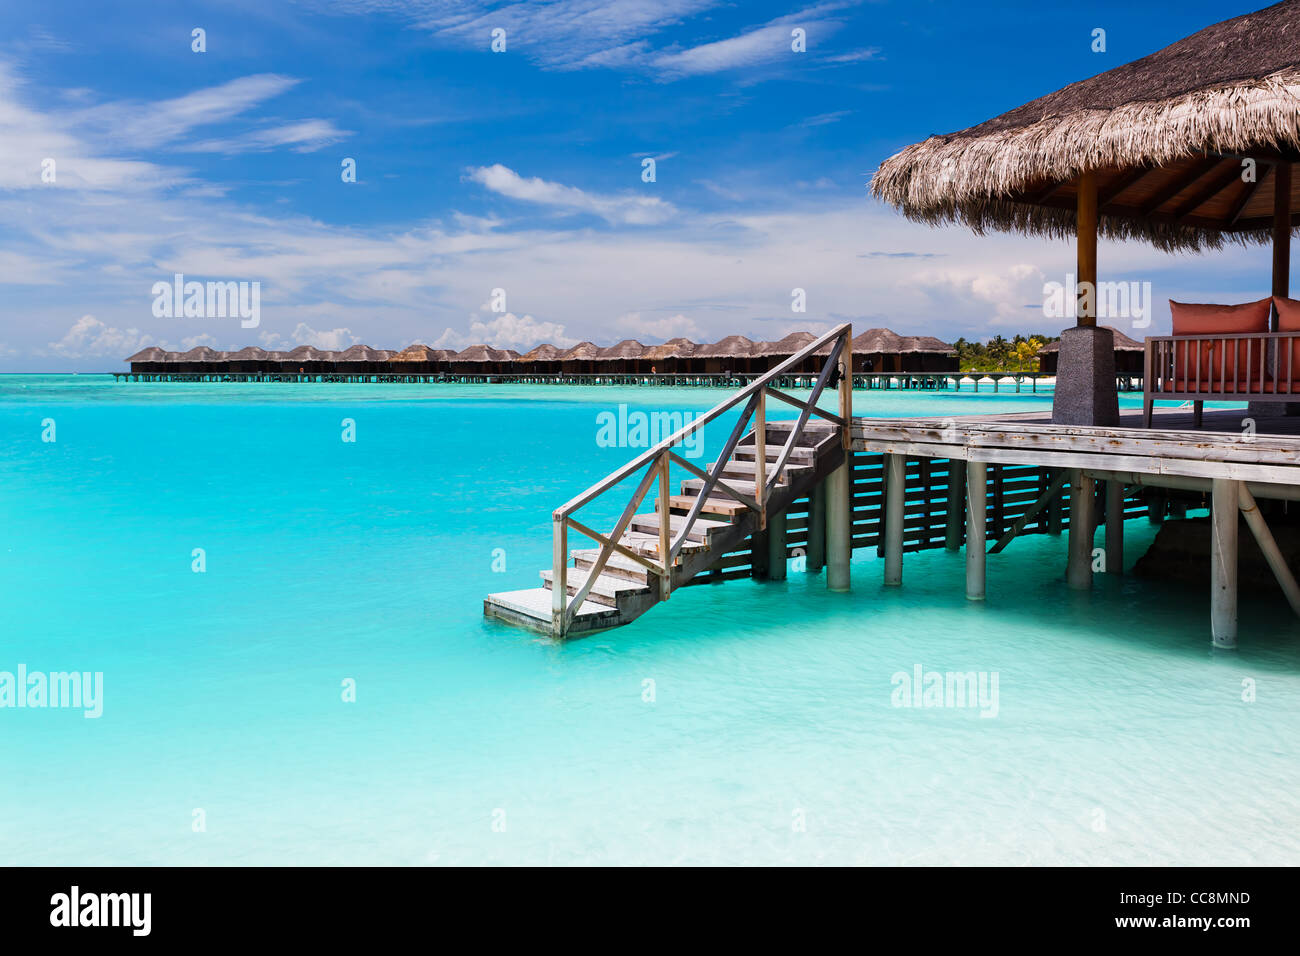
(625, 209)
(305, 136)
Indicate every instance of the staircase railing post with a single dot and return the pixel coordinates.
(559, 575)
(846, 388)
(665, 557)
(760, 459)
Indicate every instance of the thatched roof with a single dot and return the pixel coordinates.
(926, 343)
(482, 353)
(250, 353)
(787, 346)
(152, 354)
(583, 351)
(1166, 133)
(733, 346)
(627, 349)
(308, 353)
(877, 340)
(201, 353)
(359, 353)
(1122, 343)
(673, 348)
(414, 353)
(542, 353)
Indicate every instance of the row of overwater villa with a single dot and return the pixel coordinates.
(877, 351)
(1186, 149)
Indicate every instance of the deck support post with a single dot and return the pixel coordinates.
(1114, 526)
(816, 559)
(839, 525)
(977, 490)
(952, 535)
(1083, 524)
(1225, 501)
(776, 547)
(559, 576)
(895, 488)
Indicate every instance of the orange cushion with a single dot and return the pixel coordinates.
(1288, 320)
(1218, 365)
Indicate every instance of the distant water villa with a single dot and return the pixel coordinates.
(876, 351)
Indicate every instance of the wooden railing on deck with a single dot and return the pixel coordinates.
(658, 460)
(1242, 366)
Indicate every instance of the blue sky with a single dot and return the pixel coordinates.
(522, 170)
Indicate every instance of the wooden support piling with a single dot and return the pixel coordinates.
(952, 537)
(816, 557)
(1078, 573)
(1114, 526)
(776, 547)
(1056, 510)
(977, 485)
(839, 525)
(895, 489)
(1224, 506)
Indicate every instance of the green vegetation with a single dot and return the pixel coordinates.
(998, 354)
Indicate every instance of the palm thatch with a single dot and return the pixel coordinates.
(623, 351)
(483, 353)
(672, 349)
(582, 352)
(249, 353)
(883, 341)
(414, 353)
(1166, 134)
(733, 346)
(787, 346)
(542, 353)
(201, 353)
(308, 353)
(152, 354)
(928, 343)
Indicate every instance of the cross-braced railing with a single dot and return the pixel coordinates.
(659, 559)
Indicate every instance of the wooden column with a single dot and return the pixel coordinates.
(839, 525)
(1114, 526)
(895, 487)
(977, 487)
(1281, 233)
(1055, 512)
(1223, 562)
(776, 547)
(1083, 507)
(1086, 235)
(956, 504)
(816, 559)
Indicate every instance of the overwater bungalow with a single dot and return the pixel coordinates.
(623, 358)
(540, 360)
(733, 354)
(1189, 148)
(580, 359)
(670, 357)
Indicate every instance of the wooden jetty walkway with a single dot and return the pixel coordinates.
(817, 489)
(996, 382)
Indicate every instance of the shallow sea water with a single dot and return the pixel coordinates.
(1121, 736)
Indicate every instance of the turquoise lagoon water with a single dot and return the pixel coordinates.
(1120, 735)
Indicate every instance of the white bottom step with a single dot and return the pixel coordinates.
(531, 608)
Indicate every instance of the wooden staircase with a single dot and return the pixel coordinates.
(759, 473)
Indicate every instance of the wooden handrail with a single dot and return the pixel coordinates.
(690, 428)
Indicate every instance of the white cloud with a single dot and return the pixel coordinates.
(334, 340)
(635, 325)
(627, 209)
(305, 136)
(506, 331)
(90, 338)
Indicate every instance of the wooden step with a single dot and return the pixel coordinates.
(531, 608)
(605, 590)
(797, 453)
(647, 543)
(712, 506)
(693, 486)
(747, 468)
(616, 565)
(649, 524)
